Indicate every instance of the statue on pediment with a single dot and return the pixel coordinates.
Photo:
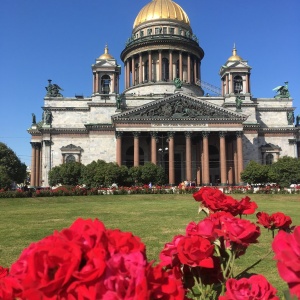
(282, 91)
(238, 103)
(178, 83)
(53, 90)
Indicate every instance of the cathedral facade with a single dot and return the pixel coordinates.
(163, 115)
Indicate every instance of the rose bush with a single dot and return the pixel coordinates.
(89, 261)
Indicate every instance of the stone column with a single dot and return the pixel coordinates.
(132, 71)
(230, 163)
(247, 84)
(223, 169)
(97, 83)
(150, 65)
(33, 166)
(159, 64)
(153, 147)
(119, 147)
(180, 65)
(171, 158)
(127, 77)
(171, 65)
(188, 155)
(136, 149)
(235, 163)
(46, 161)
(205, 170)
(195, 70)
(231, 83)
(199, 163)
(239, 147)
(94, 82)
(227, 84)
(140, 68)
(189, 68)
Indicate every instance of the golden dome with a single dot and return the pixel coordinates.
(106, 55)
(234, 56)
(161, 9)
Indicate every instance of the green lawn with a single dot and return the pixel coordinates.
(154, 218)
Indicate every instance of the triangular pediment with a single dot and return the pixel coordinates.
(180, 107)
(105, 63)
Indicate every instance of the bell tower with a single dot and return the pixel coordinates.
(235, 77)
(106, 73)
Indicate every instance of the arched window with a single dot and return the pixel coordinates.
(238, 84)
(105, 84)
(146, 70)
(165, 69)
(269, 159)
(70, 158)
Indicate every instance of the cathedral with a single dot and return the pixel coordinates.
(164, 116)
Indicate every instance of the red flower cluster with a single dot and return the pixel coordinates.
(286, 247)
(215, 201)
(88, 261)
(256, 287)
(197, 248)
(274, 221)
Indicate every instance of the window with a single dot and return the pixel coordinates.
(165, 30)
(172, 30)
(70, 158)
(238, 84)
(105, 84)
(165, 69)
(141, 33)
(269, 159)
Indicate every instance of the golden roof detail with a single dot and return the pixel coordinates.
(234, 56)
(161, 9)
(106, 55)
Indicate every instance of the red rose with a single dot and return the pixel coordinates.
(238, 231)
(209, 197)
(205, 228)
(169, 255)
(287, 253)
(165, 284)
(3, 272)
(123, 242)
(264, 219)
(195, 251)
(47, 266)
(281, 221)
(246, 207)
(10, 288)
(256, 287)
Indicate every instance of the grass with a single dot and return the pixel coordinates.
(154, 218)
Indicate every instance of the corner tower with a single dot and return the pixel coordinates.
(235, 77)
(106, 74)
(162, 47)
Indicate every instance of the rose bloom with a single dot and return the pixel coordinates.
(256, 287)
(286, 247)
(209, 197)
(238, 231)
(169, 255)
(274, 221)
(205, 228)
(195, 251)
(47, 266)
(246, 207)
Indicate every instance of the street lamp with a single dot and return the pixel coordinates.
(162, 151)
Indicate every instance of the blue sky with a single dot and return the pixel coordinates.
(60, 40)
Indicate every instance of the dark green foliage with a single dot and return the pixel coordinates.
(66, 174)
(285, 171)
(11, 168)
(255, 173)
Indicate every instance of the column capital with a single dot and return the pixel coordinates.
(154, 134)
(188, 134)
(239, 134)
(171, 134)
(205, 134)
(35, 145)
(222, 134)
(136, 134)
(118, 134)
(47, 142)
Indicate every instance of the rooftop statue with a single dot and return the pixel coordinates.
(238, 103)
(53, 90)
(33, 119)
(282, 91)
(178, 83)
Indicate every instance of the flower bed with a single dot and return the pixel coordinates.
(89, 261)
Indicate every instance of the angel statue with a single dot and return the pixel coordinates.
(53, 90)
(282, 91)
(178, 83)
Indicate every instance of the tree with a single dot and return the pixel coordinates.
(93, 174)
(66, 174)
(12, 169)
(255, 173)
(285, 171)
(152, 173)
